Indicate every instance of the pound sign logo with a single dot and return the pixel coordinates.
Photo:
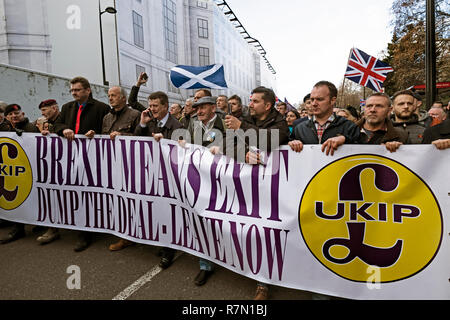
(369, 211)
(16, 178)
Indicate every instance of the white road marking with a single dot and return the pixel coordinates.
(139, 283)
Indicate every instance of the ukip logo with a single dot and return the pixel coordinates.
(16, 178)
(369, 211)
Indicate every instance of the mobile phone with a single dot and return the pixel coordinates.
(145, 76)
(257, 151)
(229, 109)
(254, 149)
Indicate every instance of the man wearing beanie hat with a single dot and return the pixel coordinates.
(21, 124)
(5, 125)
(207, 129)
(16, 116)
(50, 110)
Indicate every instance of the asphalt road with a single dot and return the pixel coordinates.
(30, 271)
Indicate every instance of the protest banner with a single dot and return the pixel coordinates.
(363, 224)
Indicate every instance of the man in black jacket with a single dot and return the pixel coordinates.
(206, 129)
(85, 116)
(20, 124)
(16, 116)
(404, 118)
(376, 127)
(439, 135)
(324, 127)
(50, 110)
(263, 118)
(5, 125)
(157, 122)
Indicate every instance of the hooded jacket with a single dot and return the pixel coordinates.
(412, 127)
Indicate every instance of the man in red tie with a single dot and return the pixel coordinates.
(84, 116)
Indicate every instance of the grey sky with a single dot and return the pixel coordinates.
(309, 41)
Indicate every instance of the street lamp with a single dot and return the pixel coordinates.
(109, 10)
(430, 54)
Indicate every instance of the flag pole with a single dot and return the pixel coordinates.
(343, 82)
(342, 92)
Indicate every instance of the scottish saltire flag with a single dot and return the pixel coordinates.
(190, 77)
(366, 70)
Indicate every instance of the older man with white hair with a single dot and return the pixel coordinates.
(437, 114)
(121, 120)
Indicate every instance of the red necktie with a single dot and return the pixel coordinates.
(77, 124)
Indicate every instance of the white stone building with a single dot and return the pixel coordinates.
(62, 37)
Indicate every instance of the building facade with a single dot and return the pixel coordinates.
(149, 36)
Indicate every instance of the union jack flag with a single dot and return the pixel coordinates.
(366, 70)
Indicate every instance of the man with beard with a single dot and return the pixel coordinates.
(49, 110)
(221, 103)
(404, 116)
(16, 116)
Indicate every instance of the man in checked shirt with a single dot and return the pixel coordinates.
(325, 127)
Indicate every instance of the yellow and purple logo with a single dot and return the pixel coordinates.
(16, 177)
(367, 211)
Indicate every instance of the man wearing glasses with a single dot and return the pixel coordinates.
(84, 116)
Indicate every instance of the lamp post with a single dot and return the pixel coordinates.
(109, 10)
(430, 54)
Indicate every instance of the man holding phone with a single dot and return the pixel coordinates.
(157, 122)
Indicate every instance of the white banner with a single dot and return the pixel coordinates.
(363, 224)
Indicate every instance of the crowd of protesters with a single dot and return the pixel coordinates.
(389, 121)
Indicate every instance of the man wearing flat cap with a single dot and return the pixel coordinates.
(50, 111)
(207, 129)
(84, 115)
(5, 125)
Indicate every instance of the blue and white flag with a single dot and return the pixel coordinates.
(190, 77)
